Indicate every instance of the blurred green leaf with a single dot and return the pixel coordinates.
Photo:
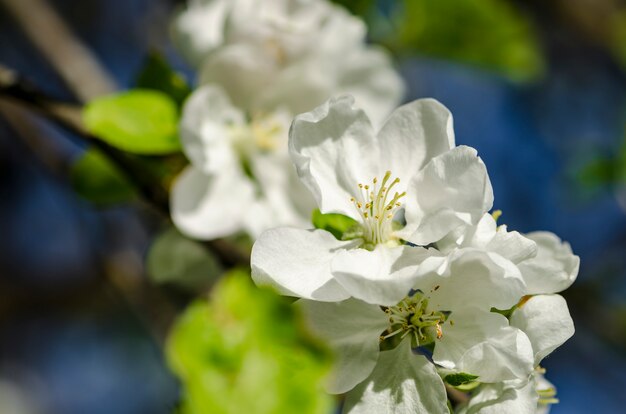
(245, 351)
(598, 172)
(96, 179)
(358, 7)
(138, 121)
(337, 224)
(173, 258)
(488, 33)
(157, 74)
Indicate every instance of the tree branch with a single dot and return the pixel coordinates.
(68, 116)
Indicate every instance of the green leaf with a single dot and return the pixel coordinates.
(245, 351)
(458, 379)
(138, 121)
(175, 259)
(492, 34)
(98, 180)
(157, 74)
(337, 224)
(598, 172)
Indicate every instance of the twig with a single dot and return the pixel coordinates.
(68, 117)
(78, 67)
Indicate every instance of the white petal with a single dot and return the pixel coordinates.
(283, 200)
(199, 29)
(243, 70)
(368, 75)
(383, 276)
(501, 398)
(414, 134)
(402, 382)
(352, 329)
(334, 149)
(451, 190)
(204, 129)
(301, 86)
(546, 321)
(512, 245)
(297, 263)
(554, 268)
(472, 278)
(481, 343)
(497, 239)
(209, 206)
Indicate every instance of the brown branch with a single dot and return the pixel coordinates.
(23, 93)
(73, 61)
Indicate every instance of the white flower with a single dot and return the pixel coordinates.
(215, 196)
(262, 63)
(546, 321)
(448, 309)
(411, 166)
(289, 53)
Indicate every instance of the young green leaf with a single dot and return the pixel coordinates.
(175, 259)
(137, 121)
(337, 224)
(246, 351)
(158, 75)
(96, 179)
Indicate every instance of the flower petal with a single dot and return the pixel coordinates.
(546, 321)
(242, 69)
(300, 86)
(333, 148)
(206, 117)
(501, 398)
(209, 206)
(352, 329)
(199, 29)
(297, 263)
(414, 134)
(283, 201)
(487, 235)
(554, 268)
(472, 278)
(382, 277)
(482, 343)
(369, 76)
(451, 190)
(402, 382)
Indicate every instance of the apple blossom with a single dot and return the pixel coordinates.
(411, 168)
(286, 53)
(447, 312)
(260, 63)
(546, 321)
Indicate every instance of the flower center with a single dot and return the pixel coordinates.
(377, 208)
(262, 133)
(412, 317)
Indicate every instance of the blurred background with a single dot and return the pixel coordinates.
(538, 88)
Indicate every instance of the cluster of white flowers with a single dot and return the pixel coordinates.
(260, 63)
(421, 290)
(424, 288)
